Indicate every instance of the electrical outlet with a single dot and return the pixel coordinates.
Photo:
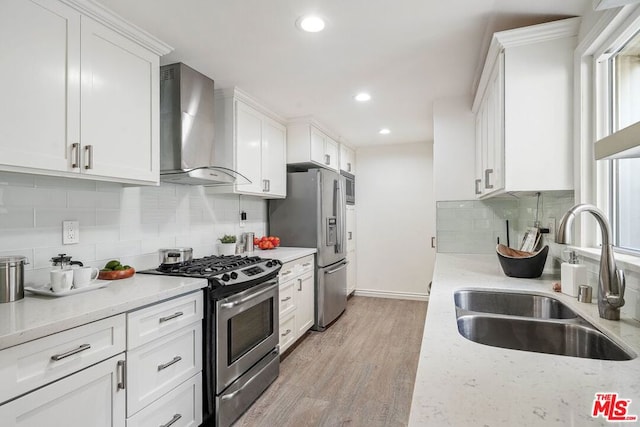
(70, 232)
(551, 225)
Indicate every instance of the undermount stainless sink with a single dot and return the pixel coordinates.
(530, 322)
(513, 304)
(566, 339)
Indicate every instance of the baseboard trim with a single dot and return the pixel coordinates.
(374, 293)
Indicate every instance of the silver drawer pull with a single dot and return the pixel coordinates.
(287, 332)
(286, 299)
(286, 273)
(306, 264)
(173, 420)
(122, 374)
(172, 362)
(173, 316)
(61, 356)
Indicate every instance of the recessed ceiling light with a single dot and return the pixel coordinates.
(362, 97)
(311, 23)
(384, 131)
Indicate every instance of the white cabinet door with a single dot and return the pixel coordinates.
(119, 106)
(350, 224)
(317, 146)
(331, 151)
(305, 299)
(494, 163)
(274, 157)
(90, 397)
(347, 159)
(351, 272)
(40, 66)
(249, 147)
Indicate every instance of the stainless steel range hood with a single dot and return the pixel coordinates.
(187, 154)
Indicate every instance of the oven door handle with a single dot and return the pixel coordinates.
(250, 297)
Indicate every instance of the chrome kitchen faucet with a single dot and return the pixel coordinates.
(611, 281)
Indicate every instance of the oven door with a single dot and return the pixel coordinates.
(246, 331)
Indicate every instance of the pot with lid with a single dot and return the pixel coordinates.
(175, 255)
(12, 278)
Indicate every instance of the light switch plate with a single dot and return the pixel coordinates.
(70, 232)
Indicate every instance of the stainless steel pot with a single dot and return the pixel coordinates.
(175, 255)
(12, 278)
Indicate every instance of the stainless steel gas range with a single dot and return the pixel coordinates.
(241, 356)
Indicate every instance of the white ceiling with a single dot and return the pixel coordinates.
(406, 53)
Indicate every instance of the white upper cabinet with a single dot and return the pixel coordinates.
(524, 113)
(84, 98)
(252, 141)
(308, 145)
(347, 159)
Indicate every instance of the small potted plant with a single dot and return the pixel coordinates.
(227, 245)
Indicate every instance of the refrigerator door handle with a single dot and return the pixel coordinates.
(340, 209)
(337, 269)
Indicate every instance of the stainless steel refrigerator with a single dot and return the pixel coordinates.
(313, 215)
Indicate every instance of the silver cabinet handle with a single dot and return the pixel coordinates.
(264, 185)
(286, 299)
(350, 235)
(286, 273)
(287, 332)
(75, 152)
(348, 167)
(268, 185)
(172, 421)
(306, 264)
(64, 355)
(173, 316)
(122, 374)
(478, 182)
(89, 151)
(169, 363)
(300, 284)
(327, 159)
(487, 172)
(433, 242)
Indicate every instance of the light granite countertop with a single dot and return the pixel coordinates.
(463, 383)
(37, 316)
(284, 254)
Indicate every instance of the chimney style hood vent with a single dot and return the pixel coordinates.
(187, 153)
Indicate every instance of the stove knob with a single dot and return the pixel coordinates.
(269, 264)
(234, 275)
(225, 277)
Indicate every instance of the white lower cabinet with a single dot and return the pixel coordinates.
(91, 397)
(83, 376)
(161, 365)
(181, 407)
(297, 297)
(161, 360)
(351, 249)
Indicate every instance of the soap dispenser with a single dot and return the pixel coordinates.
(572, 275)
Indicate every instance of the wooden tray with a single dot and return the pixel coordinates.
(115, 275)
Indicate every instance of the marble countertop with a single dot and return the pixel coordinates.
(463, 383)
(37, 316)
(284, 254)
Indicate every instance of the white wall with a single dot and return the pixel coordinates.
(395, 219)
(116, 222)
(454, 149)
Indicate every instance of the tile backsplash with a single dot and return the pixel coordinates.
(475, 226)
(116, 221)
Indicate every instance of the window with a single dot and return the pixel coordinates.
(624, 174)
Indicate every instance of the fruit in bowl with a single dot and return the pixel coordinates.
(266, 242)
(113, 270)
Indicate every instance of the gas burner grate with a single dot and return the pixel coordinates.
(209, 265)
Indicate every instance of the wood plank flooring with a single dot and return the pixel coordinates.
(359, 372)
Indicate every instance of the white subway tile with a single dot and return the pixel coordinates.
(92, 235)
(16, 218)
(152, 245)
(28, 253)
(116, 250)
(54, 217)
(16, 179)
(107, 217)
(43, 181)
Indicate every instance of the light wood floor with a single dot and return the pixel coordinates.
(359, 372)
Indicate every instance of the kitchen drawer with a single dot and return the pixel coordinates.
(182, 404)
(36, 363)
(157, 367)
(287, 272)
(287, 332)
(160, 319)
(305, 264)
(286, 292)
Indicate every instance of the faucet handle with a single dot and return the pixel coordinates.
(618, 300)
